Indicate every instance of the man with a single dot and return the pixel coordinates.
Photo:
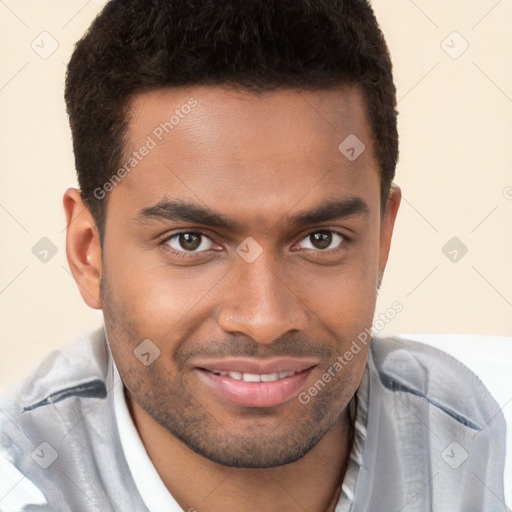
(233, 223)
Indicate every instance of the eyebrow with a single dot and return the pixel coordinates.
(181, 210)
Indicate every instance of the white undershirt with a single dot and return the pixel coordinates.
(155, 495)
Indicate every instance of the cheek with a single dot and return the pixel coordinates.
(344, 296)
(156, 298)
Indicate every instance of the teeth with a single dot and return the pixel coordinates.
(254, 377)
(251, 377)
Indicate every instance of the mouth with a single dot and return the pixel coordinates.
(254, 384)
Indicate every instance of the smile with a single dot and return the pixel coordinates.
(255, 384)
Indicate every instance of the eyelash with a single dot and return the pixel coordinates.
(189, 254)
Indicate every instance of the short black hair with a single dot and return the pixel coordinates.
(260, 45)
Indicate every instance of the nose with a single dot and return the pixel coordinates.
(261, 303)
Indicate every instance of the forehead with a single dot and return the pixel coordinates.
(239, 149)
(225, 114)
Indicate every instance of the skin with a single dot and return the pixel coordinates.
(257, 160)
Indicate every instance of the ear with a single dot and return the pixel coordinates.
(387, 225)
(83, 248)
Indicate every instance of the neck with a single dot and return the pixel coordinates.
(311, 483)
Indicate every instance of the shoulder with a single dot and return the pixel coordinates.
(414, 368)
(80, 368)
(77, 370)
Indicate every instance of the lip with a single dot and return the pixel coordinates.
(262, 366)
(255, 394)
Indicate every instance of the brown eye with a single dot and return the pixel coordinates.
(189, 241)
(322, 240)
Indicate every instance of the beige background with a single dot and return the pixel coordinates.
(455, 171)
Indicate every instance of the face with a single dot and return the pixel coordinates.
(247, 248)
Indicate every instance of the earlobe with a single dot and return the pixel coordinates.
(83, 248)
(387, 225)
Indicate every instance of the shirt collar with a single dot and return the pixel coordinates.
(151, 488)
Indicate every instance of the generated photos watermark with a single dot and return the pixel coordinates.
(362, 340)
(152, 141)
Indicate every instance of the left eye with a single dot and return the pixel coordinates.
(321, 240)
